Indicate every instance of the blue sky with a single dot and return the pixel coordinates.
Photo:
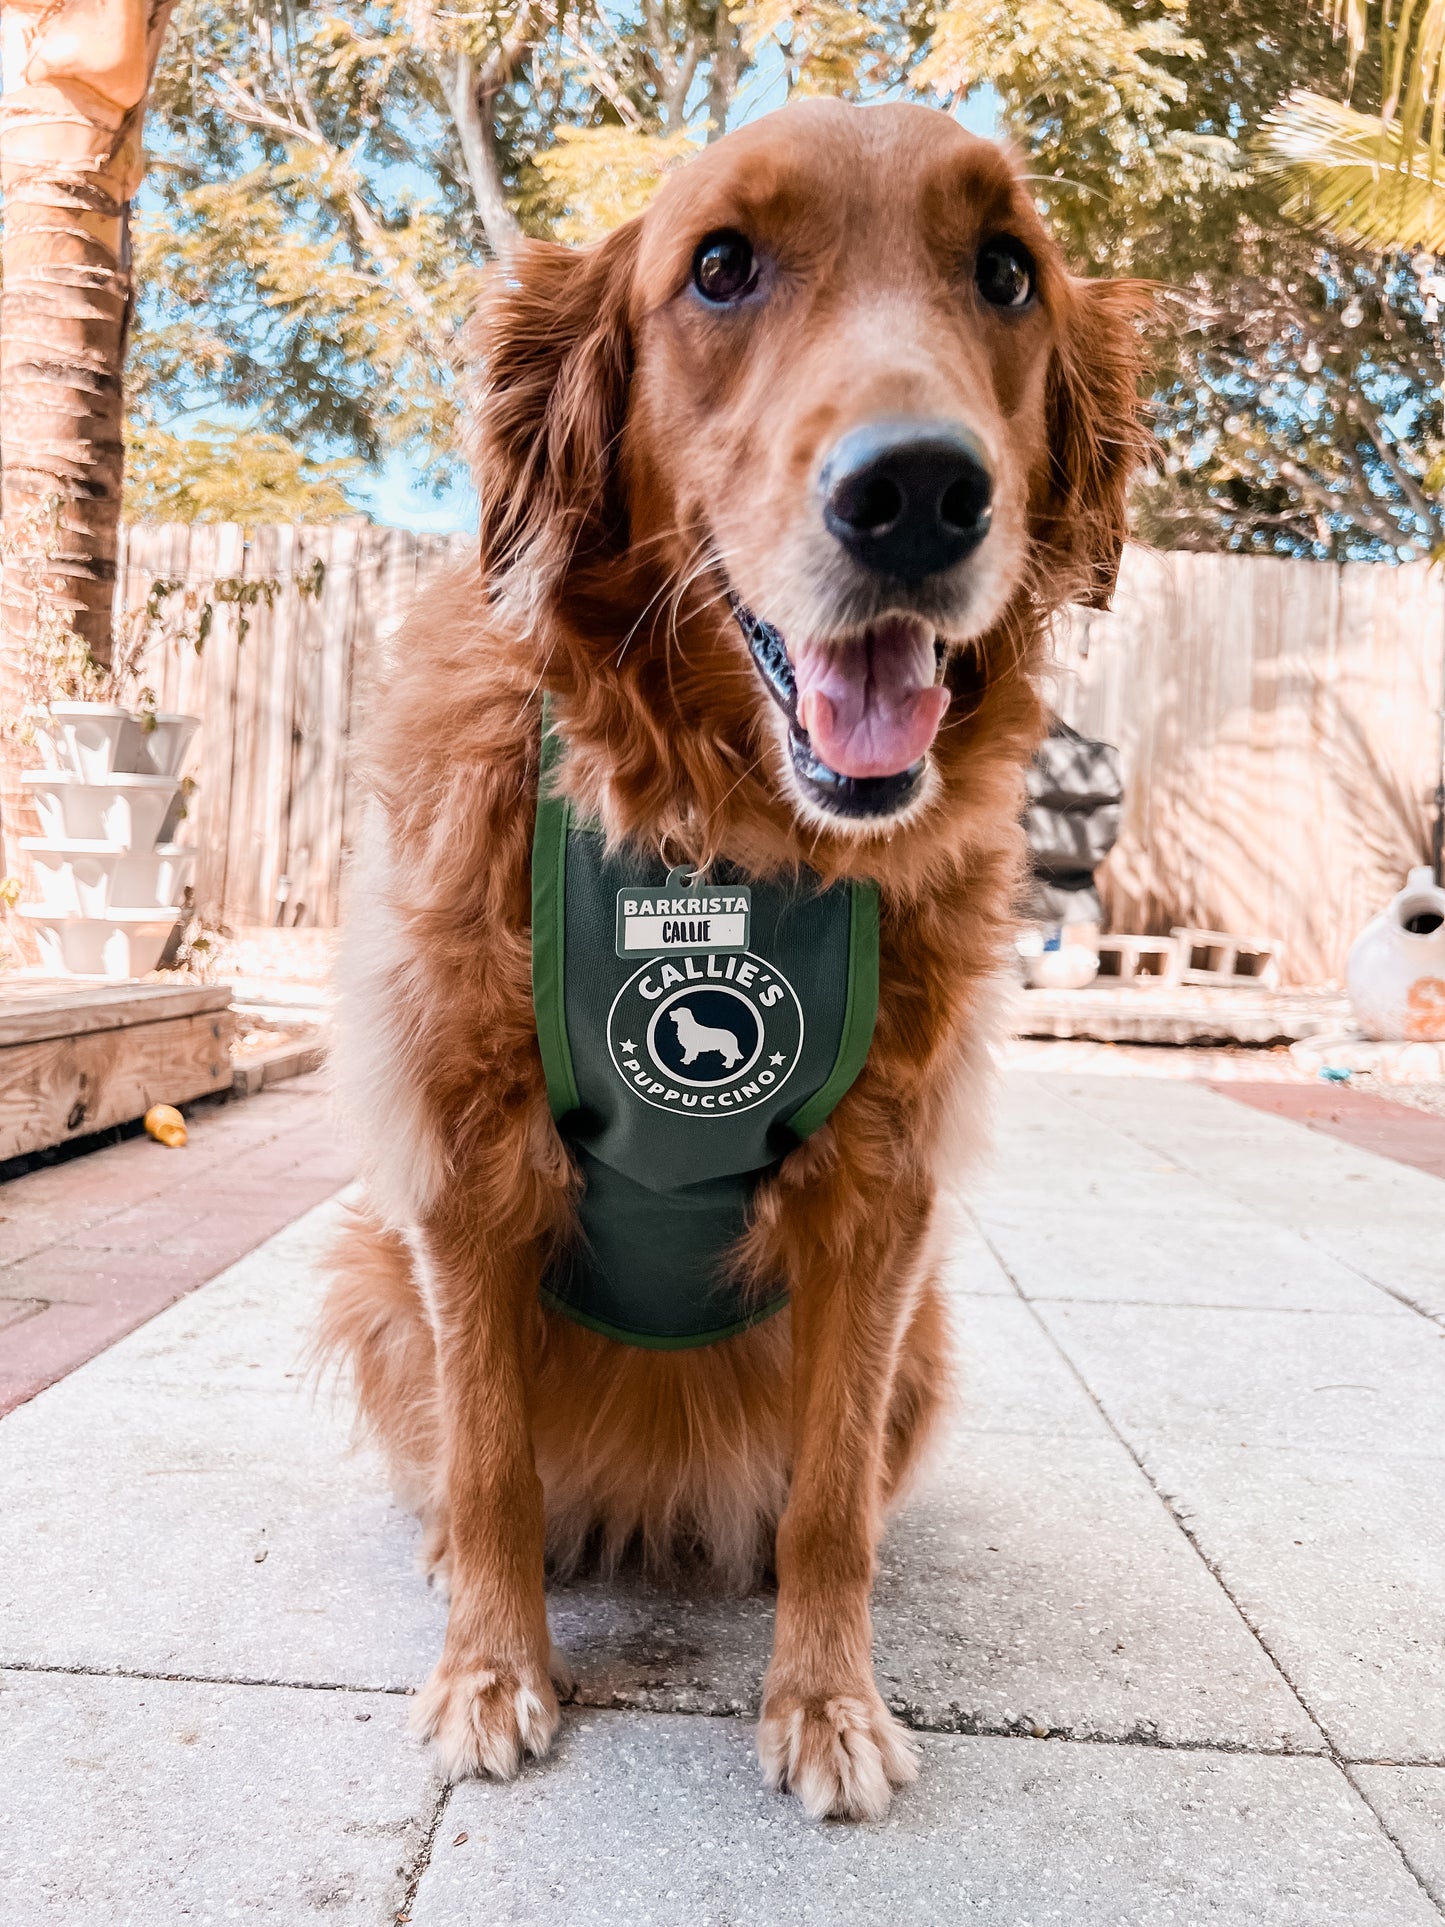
(393, 500)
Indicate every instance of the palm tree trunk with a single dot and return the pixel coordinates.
(76, 78)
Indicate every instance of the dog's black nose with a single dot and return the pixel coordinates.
(907, 498)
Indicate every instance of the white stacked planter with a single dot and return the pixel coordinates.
(111, 878)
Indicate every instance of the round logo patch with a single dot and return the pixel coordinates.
(706, 1036)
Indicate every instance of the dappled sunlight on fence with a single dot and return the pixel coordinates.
(1278, 725)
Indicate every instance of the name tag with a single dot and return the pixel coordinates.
(698, 919)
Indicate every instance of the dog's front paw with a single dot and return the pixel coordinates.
(486, 1719)
(842, 1755)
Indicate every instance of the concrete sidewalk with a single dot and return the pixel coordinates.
(1169, 1618)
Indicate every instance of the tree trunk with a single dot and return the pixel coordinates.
(77, 73)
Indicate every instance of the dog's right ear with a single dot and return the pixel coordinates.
(555, 340)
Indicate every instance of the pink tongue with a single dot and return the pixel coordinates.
(870, 705)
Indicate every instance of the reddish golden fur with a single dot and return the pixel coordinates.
(624, 452)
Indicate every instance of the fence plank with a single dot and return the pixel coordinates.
(328, 631)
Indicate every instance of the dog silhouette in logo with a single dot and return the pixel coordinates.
(697, 1039)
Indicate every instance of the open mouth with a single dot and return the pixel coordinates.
(862, 713)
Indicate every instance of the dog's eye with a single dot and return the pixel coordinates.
(1004, 273)
(724, 267)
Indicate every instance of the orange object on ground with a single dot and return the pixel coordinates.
(166, 1125)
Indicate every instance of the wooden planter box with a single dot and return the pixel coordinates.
(75, 1058)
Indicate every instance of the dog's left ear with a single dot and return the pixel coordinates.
(1096, 437)
(555, 341)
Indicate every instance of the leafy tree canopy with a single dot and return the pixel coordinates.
(330, 180)
(217, 473)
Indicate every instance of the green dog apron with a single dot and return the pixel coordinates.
(692, 1031)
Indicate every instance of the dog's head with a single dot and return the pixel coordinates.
(836, 400)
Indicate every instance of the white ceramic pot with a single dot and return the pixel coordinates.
(1058, 956)
(92, 741)
(98, 740)
(93, 879)
(1073, 966)
(1396, 968)
(127, 943)
(166, 744)
(130, 810)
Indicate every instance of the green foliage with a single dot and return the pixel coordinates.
(592, 178)
(216, 474)
(1374, 179)
(330, 181)
(305, 258)
(1094, 93)
(1298, 396)
(829, 47)
(1305, 417)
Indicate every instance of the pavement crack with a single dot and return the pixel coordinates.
(1347, 1768)
(970, 1727)
(419, 1865)
(201, 1679)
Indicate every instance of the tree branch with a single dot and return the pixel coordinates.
(1406, 483)
(723, 73)
(470, 102)
(470, 91)
(674, 99)
(610, 91)
(367, 226)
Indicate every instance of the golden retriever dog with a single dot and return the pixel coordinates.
(780, 484)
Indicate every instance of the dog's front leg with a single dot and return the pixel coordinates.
(490, 1701)
(825, 1732)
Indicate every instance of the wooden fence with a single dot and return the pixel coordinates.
(274, 808)
(1277, 721)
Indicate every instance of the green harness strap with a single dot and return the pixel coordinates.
(549, 911)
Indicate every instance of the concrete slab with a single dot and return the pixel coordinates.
(228, 1537)
(1200, 1257)
(181, 1505)
(1401, 1254)
(1410, 1801)
(651, 1821)
(1325, 1380)
(969, 1268)
(127, 1801)
(1009, 1376)
(1381, 1218)
(1048, 1150)
(222, 1478)
(1339, 1562)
